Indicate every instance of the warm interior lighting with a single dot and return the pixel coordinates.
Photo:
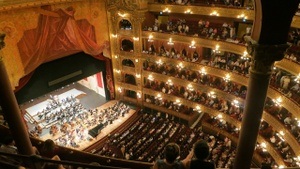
(180, 66)
(189, 87)
(202, 71)
(136, 38)
(277, 101)
(245, 56)
(118, 71)
(159, 62)
(220, 116)
(139, 95)
(242, 16)
(281, 133)
(216, 50)
(197, 109)
(188, 11)
(136, 60)
(214, 13)
(212, 94)
(235, 103)
(166, 10)
(169, 82)
(226, 78)
(150, 38)
(150, 77)
(138, 75)
(116, 56)
(170, 42)
(297, 79)
(114, 35)
(122, 15)
(120, 89)
(193, 43)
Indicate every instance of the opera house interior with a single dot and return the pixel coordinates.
(110, 83)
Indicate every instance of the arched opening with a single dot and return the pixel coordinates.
(130, 79)
(124, 24)
(128, 62)
(127, 45)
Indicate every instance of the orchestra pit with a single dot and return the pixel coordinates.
(111, 84)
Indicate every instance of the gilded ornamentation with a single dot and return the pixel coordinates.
(2, 43)
(8, 28)
(264, 56)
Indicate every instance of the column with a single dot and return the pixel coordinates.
(11, 109)
(263, 59)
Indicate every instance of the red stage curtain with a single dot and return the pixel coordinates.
(99, 79)
(23, 81)
(58, 34)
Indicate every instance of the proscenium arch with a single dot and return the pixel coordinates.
(38, 84)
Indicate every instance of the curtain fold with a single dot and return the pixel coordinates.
(57, 35)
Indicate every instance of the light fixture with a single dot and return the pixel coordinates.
(188, 11)
(212, 94)
(166, 10)
(138, 94)
(116, 56)
(214, 13)
(235, 103)
(190, 87)
(277, 101)
(136, 60)
(150, 77)
(122, 15)
(297, 80)
(169, 82)
(245, 56)
(120, 89)
(242, 16)
(220, 116)
(138, 75)
(216, 50)
(202, 71)
(159, 62)
(197, 109)
(150, 38)
(117, 71)
(114, 35)
(226, 78)
(192, 45)
(180, 66)
(170, 42)
(136, 38)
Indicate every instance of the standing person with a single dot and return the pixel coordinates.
(170, 161)
(200, 152)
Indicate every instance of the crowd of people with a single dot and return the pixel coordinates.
(70, 121)
(233, 3)
(156, 132)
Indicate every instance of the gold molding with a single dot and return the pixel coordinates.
(278, 126)
(19, 4)
(203, 10)
(277, 157)
(208, 43)
(289, 66)
(288, 104)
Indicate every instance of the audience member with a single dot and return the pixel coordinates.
(171, 154)
(200, 152)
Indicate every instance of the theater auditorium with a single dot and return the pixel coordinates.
(110, 83)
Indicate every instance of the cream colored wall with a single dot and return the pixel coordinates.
(14, 22)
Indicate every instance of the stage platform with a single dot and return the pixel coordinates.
(89, 101)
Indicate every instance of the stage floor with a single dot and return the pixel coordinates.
(88, 99)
